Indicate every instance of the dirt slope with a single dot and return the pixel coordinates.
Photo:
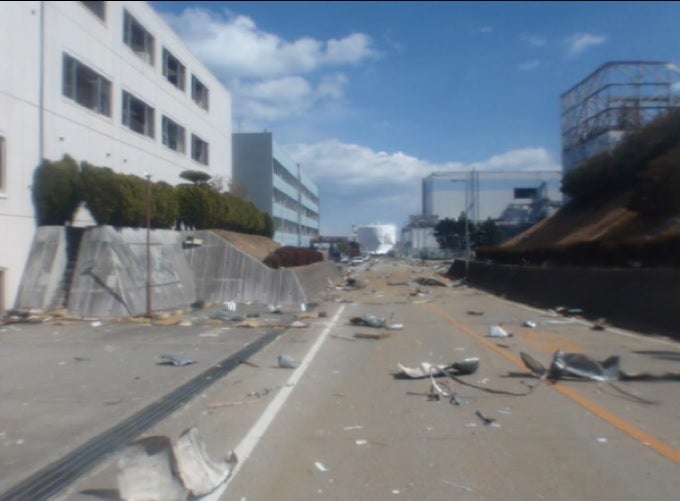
(256, 246)
(610, 221)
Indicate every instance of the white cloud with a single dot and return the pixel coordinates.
(534, 40)
(270, 78)
(580, 42)
(486, 29)
(529, 65)
(234, 47)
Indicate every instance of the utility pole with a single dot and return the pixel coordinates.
(148, 245)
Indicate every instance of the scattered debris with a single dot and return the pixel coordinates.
(251, 364)
(155, 469)
(464, 367)
(320, 466)
(298, 325)
(176, 360)
(286, 362)
(486, 420)
(498, 331)
(368, 321)
(371, 335)
(96, 324)
(429, 282)
(529, 323)
(361, 442)
(475, 313)
(170, 320)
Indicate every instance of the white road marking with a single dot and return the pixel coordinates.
(247, 445)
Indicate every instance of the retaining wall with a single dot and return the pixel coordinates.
(646, 300)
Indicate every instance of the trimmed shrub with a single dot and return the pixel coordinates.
(56, 191)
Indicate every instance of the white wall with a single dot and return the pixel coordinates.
(70, 128)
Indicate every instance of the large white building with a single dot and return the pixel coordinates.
(275, 184)
(105, 82)
(484, 194)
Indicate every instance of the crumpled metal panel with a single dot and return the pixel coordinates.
(223, 273)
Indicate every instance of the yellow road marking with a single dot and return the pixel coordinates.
(639, 435)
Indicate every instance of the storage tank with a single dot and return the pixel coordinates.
(377, 238)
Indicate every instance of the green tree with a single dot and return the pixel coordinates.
(487, 234)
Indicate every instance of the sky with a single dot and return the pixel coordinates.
(370, 97)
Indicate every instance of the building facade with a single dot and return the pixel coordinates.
(485, 194)
(617, 98)
(109, 83)
(264, 174)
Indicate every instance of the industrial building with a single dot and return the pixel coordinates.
(617, 98)
(264, 174)
(109, 83)
(485, 194)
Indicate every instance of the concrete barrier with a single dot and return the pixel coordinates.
(643, 299)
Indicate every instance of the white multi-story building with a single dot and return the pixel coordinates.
(109, 83)
(275, 184)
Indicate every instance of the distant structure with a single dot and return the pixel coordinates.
(618, 97)
(109, 83)
(376, 239)
(485, 194)
(418, 240)
(270, 179)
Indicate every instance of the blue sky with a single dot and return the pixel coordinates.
(370, 97)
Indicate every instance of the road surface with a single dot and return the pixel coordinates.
(341, 426)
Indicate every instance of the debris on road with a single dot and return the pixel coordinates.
(176, 361)
(429, 282)
(486, 420)
(464, 367)
(320, 466)
(286, 362)
(498, 331)
(530, 324)
(475, 313)
(155, 469)
(372, 335)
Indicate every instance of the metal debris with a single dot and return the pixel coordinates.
(154, 469)
(498, 331)
(286, 362)
(466, 366)
(529, 323)
(175, 360)
(487, 420)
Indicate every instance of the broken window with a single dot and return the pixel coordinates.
(85, 86)
(97, 8)
(137, 38)
(173, 70)
(173, 135)
(137, 115)
(199, 150)
(199, 92)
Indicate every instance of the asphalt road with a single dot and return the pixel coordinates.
(341, 426)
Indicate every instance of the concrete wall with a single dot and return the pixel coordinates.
(642, 299)
(223, 273)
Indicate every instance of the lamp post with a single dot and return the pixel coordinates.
(148, 245)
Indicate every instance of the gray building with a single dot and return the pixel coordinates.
(265, 175)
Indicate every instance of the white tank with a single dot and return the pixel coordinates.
(377, 238)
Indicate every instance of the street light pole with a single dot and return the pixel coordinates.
(148, 245)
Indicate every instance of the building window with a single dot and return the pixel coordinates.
(137, 38)
(137, 115)
(86, 87)
(199, 150)
(173, 135)
(173, 70)
(199, 92)
(2, 164)
(97, 8)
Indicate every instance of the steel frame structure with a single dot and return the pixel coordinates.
(618, 96)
